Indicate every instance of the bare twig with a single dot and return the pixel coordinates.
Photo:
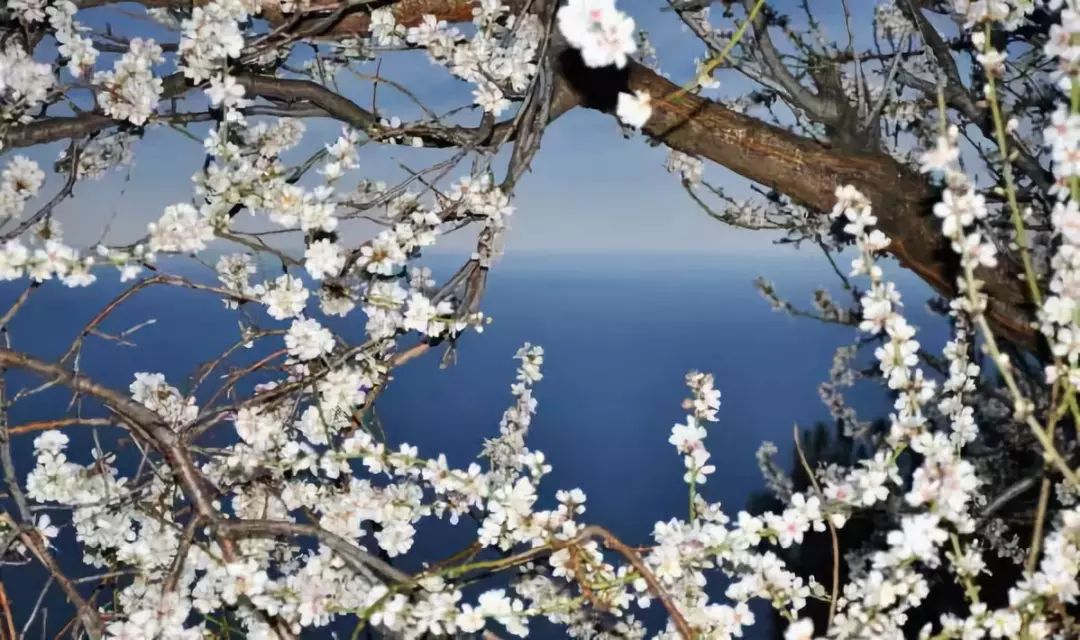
(832, 529)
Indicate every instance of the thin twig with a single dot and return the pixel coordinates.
(1040, 522)
(37, 607)
(5, 610)
(832, 529)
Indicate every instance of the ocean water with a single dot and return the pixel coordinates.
(619, 333)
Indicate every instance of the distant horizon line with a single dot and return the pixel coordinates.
(510, 254)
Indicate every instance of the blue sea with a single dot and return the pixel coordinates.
(619, 333)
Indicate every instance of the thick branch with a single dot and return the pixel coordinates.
(358, 560)
(331, 104)
(407, 12)
(819, 108)
(804, 170)
(808, 172)
(46, 130)
(335, 105)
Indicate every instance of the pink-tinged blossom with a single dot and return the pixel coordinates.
(603, 34)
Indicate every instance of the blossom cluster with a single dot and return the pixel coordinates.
(603, 34)
(20, 181)
(24, 83)
(131, 91)
(212, 35)
(496, 64)
(303, 455)
(44, 255)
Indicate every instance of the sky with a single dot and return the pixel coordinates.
(593, 188)
(592, 191)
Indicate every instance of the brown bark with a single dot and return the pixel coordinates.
(355, 20)
(407, 12)
(806, 171)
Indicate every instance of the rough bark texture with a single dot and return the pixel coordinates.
(806, 171)
(407, 12)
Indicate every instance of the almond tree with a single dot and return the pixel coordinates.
(947, 140)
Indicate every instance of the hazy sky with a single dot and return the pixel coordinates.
(591, 189)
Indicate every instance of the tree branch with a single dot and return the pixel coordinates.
(958, 97)
(335, 105)
(808, 172)
(817, 107)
